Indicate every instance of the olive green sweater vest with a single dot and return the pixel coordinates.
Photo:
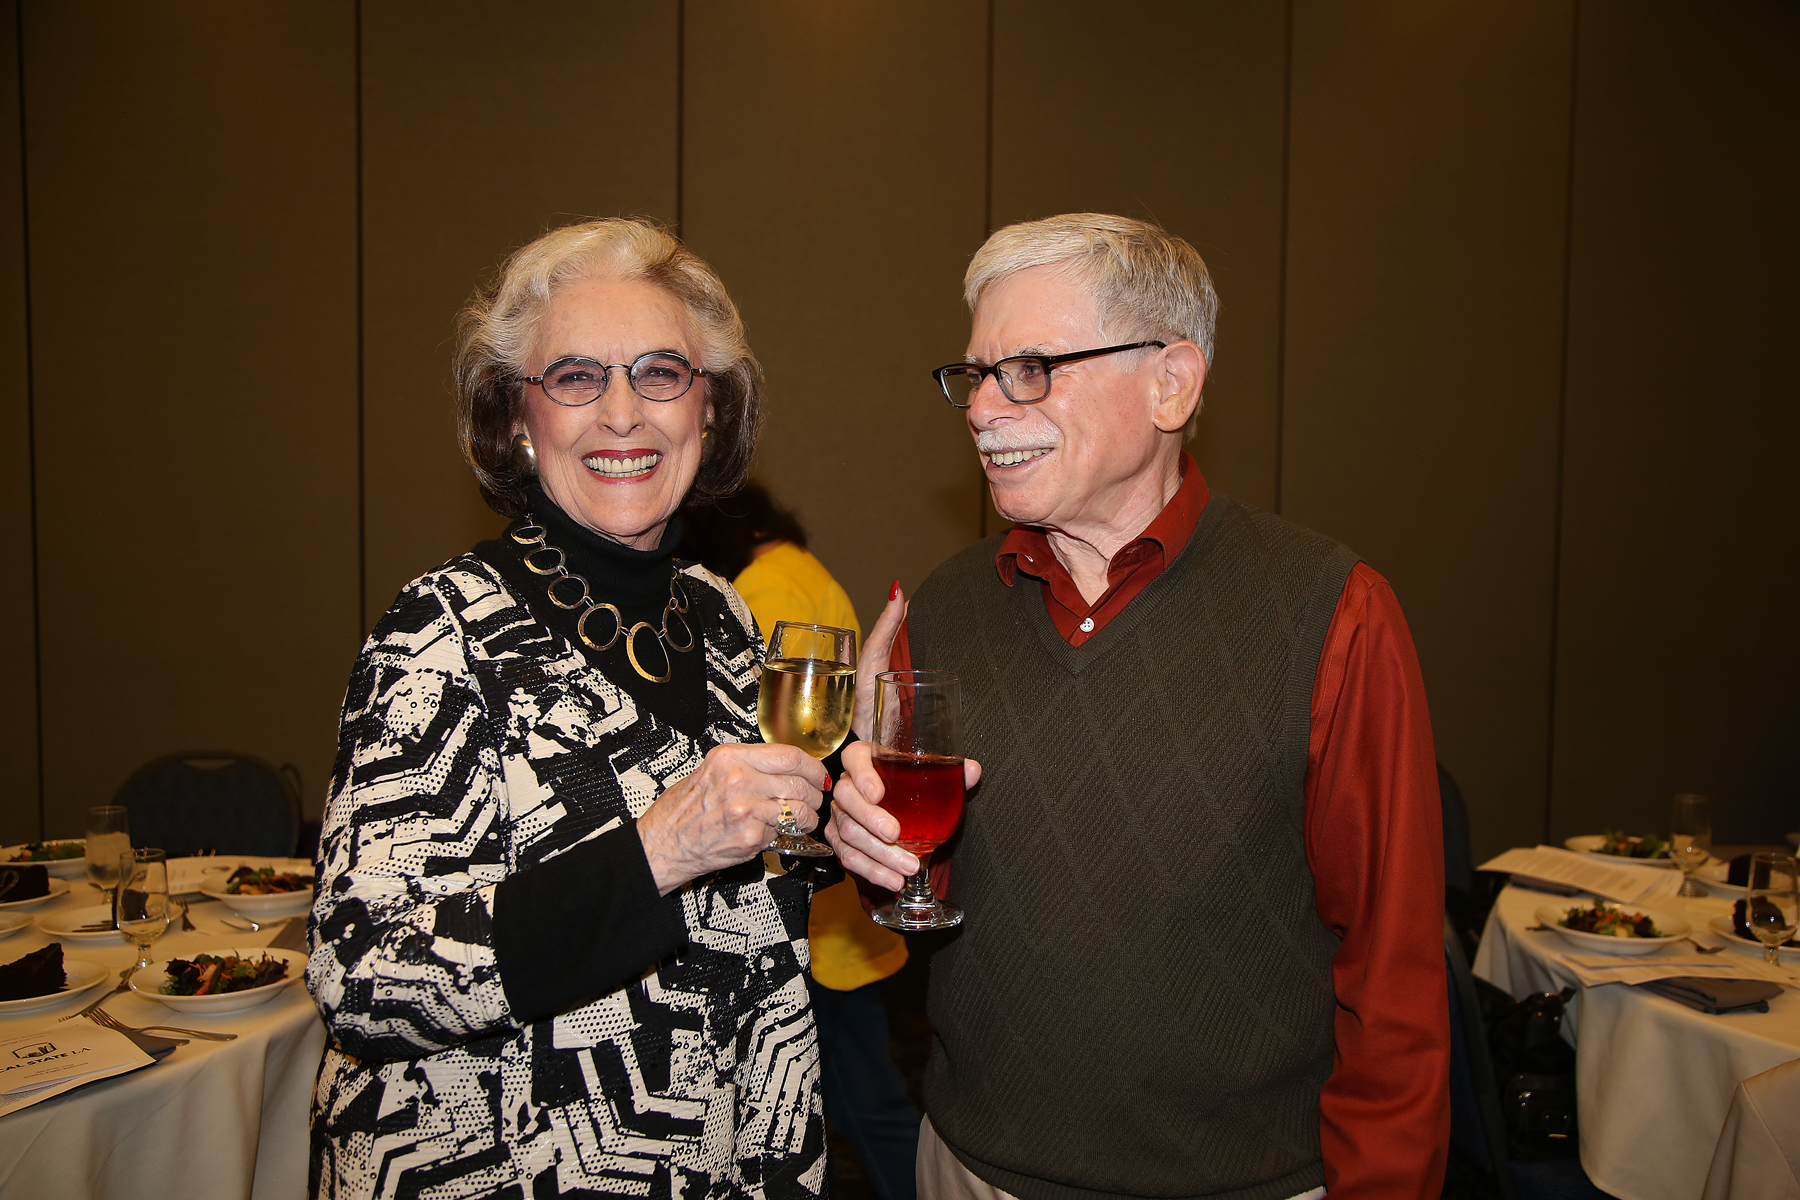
(1139, 1000)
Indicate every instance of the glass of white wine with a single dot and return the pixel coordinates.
(1690, 839)
(141, 900)
(1772, 902)
(108, 836)
(807, 694)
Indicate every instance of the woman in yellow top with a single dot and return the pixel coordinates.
(761, 548)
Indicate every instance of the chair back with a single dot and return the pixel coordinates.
(210, 801)
(1477, 1128)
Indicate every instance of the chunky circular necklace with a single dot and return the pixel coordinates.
(533, 536)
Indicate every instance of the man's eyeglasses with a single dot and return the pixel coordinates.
(1024, 378)
(658, 375)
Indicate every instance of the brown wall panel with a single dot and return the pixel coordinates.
(833, 175)
(193, 315)
(1185, 131)
(18, 650)
(475, 140)
(1676, 630)
(1425, 250)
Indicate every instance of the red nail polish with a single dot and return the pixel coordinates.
(894, 592)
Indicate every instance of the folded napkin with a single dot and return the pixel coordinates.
(1717, 995)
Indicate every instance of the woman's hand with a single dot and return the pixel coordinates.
(877, 652)
(863, 833)
(729, 810)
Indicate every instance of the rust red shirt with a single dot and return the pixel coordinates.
(1374, 841)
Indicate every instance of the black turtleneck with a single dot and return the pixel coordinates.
(589, 920)
(637, 581)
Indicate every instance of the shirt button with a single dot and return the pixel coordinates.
(1087, 626)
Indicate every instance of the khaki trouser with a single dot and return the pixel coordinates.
(943, 1177)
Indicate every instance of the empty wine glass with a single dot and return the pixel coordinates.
(918, 752)
(141, 901)
(1772, 901)
(808, 689)
(1690, 842)
(108, 836)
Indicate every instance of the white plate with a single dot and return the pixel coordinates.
(1712, 876)
(62, 923)
(80, 976)
(1722, 926)
(58, 887)
(1590, 843)
(260, 908)
(59, 868)
(11, 923)
(1674, 927)
(148, 983)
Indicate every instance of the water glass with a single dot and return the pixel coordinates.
(108, 836)
(1690, 842)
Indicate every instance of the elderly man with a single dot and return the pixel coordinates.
(1203, 877)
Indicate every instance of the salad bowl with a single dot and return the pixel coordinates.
(1672, 927)
(149, 982)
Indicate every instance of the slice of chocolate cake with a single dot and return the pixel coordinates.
(37, 974)
(23, 881)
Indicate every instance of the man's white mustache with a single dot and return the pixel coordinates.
(993, 441)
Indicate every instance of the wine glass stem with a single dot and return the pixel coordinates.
(917, 893)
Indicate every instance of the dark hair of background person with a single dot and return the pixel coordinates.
(723, 536)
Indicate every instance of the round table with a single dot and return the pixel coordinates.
(213, 1119)
(1654, 1079)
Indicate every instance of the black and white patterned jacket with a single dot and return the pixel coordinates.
(477, 743)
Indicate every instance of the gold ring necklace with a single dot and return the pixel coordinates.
(533, 536)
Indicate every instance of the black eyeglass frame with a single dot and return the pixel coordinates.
(631, 376)
(1047, 361)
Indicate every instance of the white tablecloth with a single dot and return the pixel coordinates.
(1654, 1078)
(213, 1119)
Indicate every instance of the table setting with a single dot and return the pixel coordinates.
(113, 1080)
(1674, 1004)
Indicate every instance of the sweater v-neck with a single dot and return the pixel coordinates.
(1143, 607)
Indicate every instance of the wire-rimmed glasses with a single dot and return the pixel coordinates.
(659, 375)
(1023, 378)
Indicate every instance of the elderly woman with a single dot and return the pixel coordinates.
(546, 945)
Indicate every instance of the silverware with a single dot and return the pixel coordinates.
(124, 983)
(106, 1020)
(185, 922)
(97, 927)
(101, 1017)
(249, 926)
(1703, 949)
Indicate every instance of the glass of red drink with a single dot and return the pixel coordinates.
(918, 753)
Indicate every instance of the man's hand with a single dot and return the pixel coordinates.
(863, 833)
(729, 810)
(877, 652)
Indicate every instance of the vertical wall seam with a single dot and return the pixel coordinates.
(680, 115)
(1287, 122)
(1562, 416)
(362, 508)
(37, 624)
(987, 227)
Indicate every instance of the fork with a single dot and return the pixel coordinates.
(1703, 949)
(101, 1017)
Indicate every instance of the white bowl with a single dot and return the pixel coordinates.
(1722, 926)
(79, 975)
(1590, 843)
(59, 868)
(1674, 929)
(58, 887)
(149, 982)
(260, 908)
(64, 922)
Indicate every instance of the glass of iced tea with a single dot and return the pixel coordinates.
(918, 752)
(808, 689)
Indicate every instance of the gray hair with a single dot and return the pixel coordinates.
(1146, 283)
(498, 328)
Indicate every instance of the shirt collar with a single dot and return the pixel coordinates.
(1027, 547)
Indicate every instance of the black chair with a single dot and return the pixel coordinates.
(1478, 1166)
(214, 802)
